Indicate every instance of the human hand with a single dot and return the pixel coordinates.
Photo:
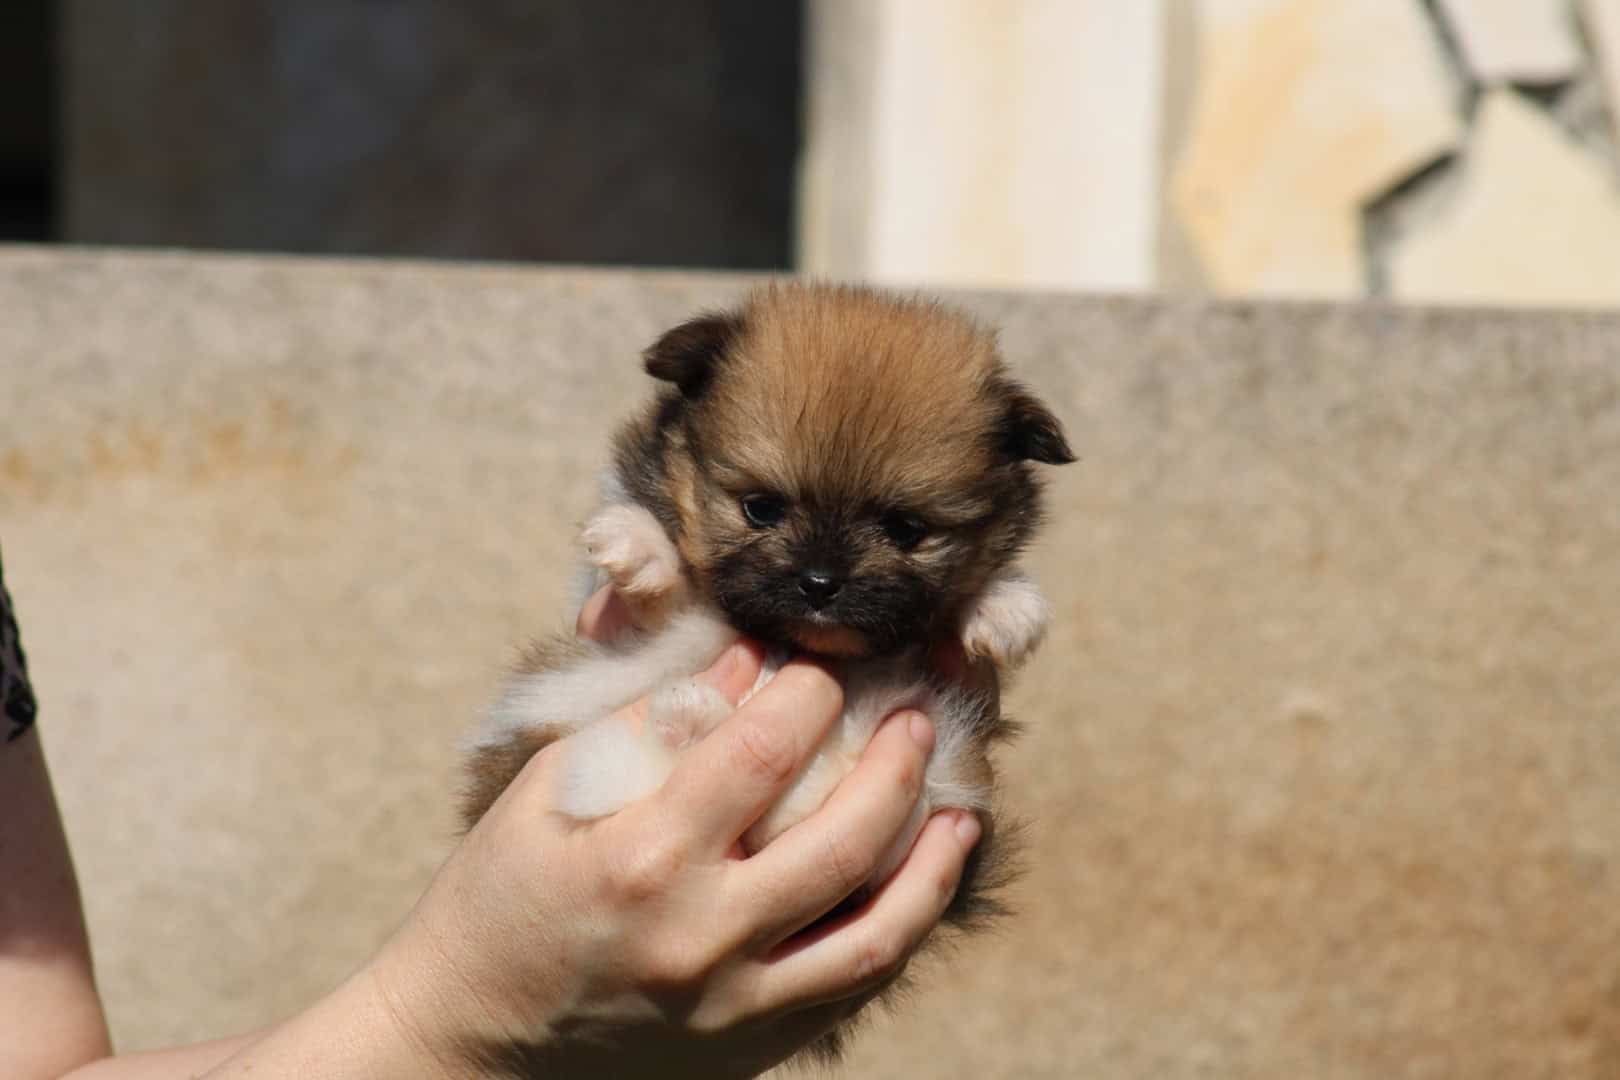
(643, 943)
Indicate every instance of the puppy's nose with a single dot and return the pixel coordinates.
(819, 587)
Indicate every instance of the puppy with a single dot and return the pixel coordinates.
(830, 471)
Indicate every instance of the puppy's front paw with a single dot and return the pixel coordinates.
(682, 712)
(1007, 621)
(628, 545)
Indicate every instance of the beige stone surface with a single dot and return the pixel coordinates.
(1006, 143)
(1535, 220)
(1304, 110)
(1601, 19)
(1519, 41)
(1323, 761)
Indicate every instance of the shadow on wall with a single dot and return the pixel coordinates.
(621, 132)
(27, 121)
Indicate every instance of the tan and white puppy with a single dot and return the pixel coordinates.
(829, 470)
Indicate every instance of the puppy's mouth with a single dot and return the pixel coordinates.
(828, 638)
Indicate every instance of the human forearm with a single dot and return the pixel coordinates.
(50, 1014)
(167, 1064)
(355, 1033)
(61, 1017)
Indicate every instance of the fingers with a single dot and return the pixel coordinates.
(736, 671)
(604, 617)
(733, 674)
(867, 951)
(723, 785)
(813, 866)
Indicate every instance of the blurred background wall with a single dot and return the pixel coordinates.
(1438, 150)
(1441, 150)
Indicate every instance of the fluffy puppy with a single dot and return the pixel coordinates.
(831, 471)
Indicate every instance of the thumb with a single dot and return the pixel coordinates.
(736, 671)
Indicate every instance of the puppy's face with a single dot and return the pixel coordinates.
(847, 470)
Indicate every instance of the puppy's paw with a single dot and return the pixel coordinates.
(682, 712)
(628, 545)
(1007, 621)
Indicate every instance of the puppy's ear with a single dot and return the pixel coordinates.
(686, 355)
(1029, 432)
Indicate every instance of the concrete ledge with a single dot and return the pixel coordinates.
(1324, 755)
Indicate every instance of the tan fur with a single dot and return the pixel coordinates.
(491, 769)
(848, 393)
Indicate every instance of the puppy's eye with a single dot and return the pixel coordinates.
(764, 510)
(906, 531)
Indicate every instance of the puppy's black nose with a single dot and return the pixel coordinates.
(819, 587)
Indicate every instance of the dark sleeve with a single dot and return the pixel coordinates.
(17, 707)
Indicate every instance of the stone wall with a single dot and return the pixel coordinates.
(1323, 754)
(1440, 150)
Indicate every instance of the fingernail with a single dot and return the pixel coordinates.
(968, 829)
(922, 732)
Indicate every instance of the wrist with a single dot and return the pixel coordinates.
(398, 1020)
(442, 1014)
(357, 1032)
